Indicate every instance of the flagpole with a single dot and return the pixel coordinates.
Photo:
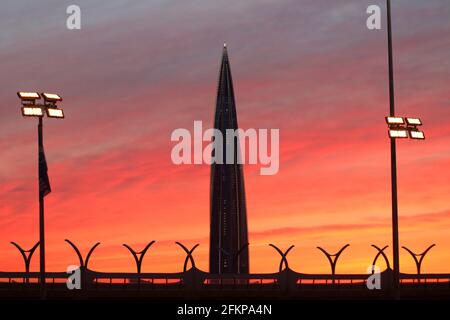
(41, 213)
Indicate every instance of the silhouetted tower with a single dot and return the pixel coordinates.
(228, 252)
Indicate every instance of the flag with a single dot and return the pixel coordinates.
(44, 182)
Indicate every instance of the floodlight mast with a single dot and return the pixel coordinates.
(398, 128)
(41, 214)
(33, 109)
(394, 204)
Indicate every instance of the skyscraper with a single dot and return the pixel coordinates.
(228, 251)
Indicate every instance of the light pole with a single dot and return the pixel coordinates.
(32, 109)
(397, 129)
(395, 245)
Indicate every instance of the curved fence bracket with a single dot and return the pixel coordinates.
(333, 258)
(139, 256)
(90, 253)
(283, 256)
(83, 263)
(189, 256)
(383, 254)
(421, 256)
(26, 254)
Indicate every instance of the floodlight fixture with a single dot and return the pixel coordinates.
(416, 134)
(51, 97)
(413, 121)
(55, 113)
(28, 96)
(398, 133)
(395, 120)
(32, 112)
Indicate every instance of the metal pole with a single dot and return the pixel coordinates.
(395, 241)
(41, 215)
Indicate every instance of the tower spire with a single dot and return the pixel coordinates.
(228, 251)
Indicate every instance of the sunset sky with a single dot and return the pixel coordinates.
(137, 70)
